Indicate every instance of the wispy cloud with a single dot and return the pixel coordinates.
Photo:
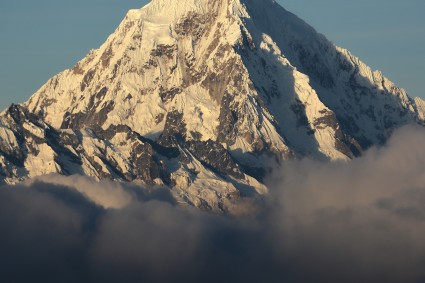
(361, 221)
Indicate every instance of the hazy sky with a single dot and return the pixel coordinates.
(40, 38)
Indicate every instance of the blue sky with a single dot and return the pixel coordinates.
(40, 38)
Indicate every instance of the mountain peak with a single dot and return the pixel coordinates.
(204, 97)
(170, 10)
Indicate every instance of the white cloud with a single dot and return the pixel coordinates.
(359, 221)
(104, 193)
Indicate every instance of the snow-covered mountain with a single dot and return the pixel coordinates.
(203, 96)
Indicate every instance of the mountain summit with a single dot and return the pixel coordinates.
(203, 96)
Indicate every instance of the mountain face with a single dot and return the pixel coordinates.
(203, 96)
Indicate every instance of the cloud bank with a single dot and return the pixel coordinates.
(361, 221)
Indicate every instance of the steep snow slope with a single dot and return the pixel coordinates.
(203, 96)
(368, 106)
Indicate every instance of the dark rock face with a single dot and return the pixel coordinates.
(96, 114)
(215, 156)
(194, 25)
(87, 79)
(168, 95)
(174, 130)
(227, 129)
(145, 164)
(302, 121)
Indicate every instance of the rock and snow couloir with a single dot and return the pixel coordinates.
(203, 96)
